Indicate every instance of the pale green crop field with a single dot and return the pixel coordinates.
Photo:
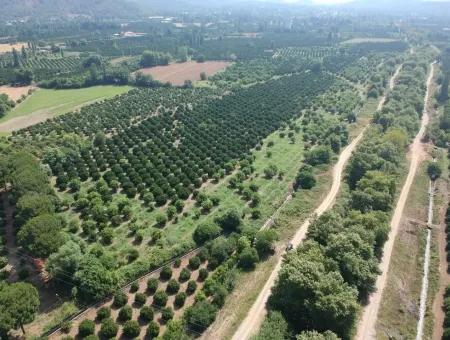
(62, 101)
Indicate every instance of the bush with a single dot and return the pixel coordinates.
(160, 298)
(191, 287)
(120, 299)
(139, 299)
(194, 263)
(125, 313)
(206, 232)
(177, 263)
(230, 221)
(248, 258)
(134, 287)
(265, 242)
(202, 274)
(146, 314)
(185, 275)
(219, 296)
(103, 313)
(167, 314)
(200, 315)
(66, 326)
(109, 328)
(203, 254)
(305, 178)
(172, 287)
(152, 285)
(166, 273)
(131, 329)
(318, 155)
(152, 330)
(86, 327)
(180, 298)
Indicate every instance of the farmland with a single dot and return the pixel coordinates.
(9, 47)
(171, 176)
(178, 73)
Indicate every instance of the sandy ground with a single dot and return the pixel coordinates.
(366, 326)
(179, 72)
(14, 93)
(257, 313)
(8, 47)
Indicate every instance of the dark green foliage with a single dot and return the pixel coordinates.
(434, 171)
(20, 303)
(41, 236)
(265, 242)
(160, 298)
(166, 314)
(191, 287)
(109, 328)
(206, 232)
(194, 263)
(200, 315)
(166, 273)
(139, 299)
(305, 178)
(131, 329)
(180, 298)
(185, 274)
(125, 313)
(86, 327)
(230, 221)
(103, 313)
(120, 299)
(248, 258)
(274, 327)
(146, 314)
(152, 330)
(152, 285)
(172, 287)
(318, 155)
(202, 274)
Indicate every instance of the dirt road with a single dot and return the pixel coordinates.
(366, 327)
(257, 313)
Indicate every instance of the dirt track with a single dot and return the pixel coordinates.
(258, 311)
(366, 327)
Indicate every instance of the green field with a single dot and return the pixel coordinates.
(62, 101)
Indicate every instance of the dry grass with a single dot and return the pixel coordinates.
(190, 70)
(4, 48)
(15, 93)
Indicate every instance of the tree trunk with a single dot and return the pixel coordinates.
(23, 329)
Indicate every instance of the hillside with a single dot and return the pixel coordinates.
(12, 9)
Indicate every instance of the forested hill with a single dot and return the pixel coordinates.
(16, 9)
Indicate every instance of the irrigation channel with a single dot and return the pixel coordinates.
(257, 312)
(426, 264)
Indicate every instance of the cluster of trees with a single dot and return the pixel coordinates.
(323, 282)
(5, 104)
(144, 158)
(152, 58)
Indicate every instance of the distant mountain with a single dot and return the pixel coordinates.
(16, 9)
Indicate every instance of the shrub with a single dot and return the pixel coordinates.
(103, 313)
(139, 299)
(172, 287)
(248, 258)
(203, 254)
(177, 263)
(166, 273)
(200, 315)
(160, 298)
(167, 314)
(152, 285)
(305, 178)
(66, 326)
(120, 299)
(146, 314)
(86, 327)
(152, 330)
(180, 298)
(161, 220)
(202, 274)
(131, 329)
(109, 328)
(125, 313)
(230, 221)
(318, 155)
(194, 263)
(134, 287)
(265, 242)
(185, 275)
(206, 232)
(191, 287)
(219, 295)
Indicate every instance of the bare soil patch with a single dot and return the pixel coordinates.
(22, 122)
(190, 70)
(15, 93)
(9, 47)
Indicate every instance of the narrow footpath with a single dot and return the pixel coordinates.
(257, 313)
(366, 326)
